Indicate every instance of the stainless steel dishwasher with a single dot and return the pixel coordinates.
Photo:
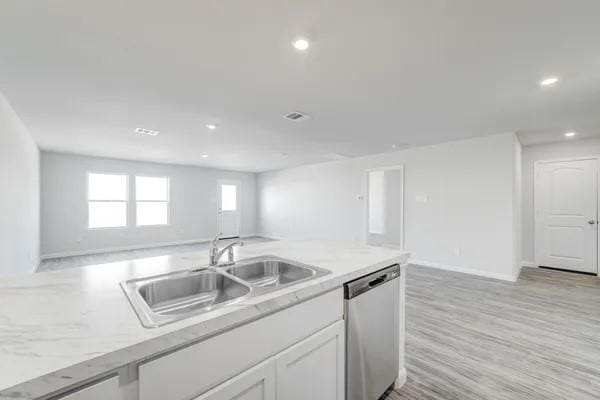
(372, 312)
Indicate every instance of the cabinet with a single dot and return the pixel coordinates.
(257, 383)
(313, 369)
(196, 369)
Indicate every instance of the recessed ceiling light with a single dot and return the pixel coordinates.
(204, 155)
(394, 146)
(550, 81)
(570, 134)
(301, 44)
(212, 127)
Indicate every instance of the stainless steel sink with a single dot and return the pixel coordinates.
(269, 271)
(161, 299)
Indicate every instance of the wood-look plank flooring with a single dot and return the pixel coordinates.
(476, 338)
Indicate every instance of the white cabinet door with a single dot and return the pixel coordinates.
(314, 368)
(258, 383)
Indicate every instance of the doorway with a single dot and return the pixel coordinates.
(566, 214)
(228, 211)
(385, 207)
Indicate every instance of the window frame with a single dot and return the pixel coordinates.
(136, 201)
(237, 187)
(88, 200)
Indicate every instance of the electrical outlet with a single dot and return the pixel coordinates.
(456, 251)
(422, 198)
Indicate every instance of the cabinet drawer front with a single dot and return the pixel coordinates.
(108, 389)
(193, 370)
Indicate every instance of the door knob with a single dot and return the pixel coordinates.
(591, 222)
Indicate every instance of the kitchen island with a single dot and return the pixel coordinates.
(72, 329)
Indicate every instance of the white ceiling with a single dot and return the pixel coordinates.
(83, 75)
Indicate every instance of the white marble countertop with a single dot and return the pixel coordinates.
(65, 327)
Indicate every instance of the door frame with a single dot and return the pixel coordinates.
(238, 204)
(536, 166)
(366, 200)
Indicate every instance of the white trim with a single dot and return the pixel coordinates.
(583, 158)
(366, 201)
(401, 379)
(272, 237)
(529, 264)
(535, 177)
(471, 271)
(127, 248)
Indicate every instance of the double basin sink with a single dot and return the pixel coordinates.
(161, 299)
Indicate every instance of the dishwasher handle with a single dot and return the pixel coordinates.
(377, 281)
(361, 285)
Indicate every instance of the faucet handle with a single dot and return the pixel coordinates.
(216, 238)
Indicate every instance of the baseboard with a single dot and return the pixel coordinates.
(128, 248)
(518, 273)
(529, 264)
(401, 379)
(472, 271)
(272, 237)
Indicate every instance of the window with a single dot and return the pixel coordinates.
(228, 197)
(107, 201)
(152, 201)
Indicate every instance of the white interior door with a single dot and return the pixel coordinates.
(228, 211)
(566, 215)
(385, 198)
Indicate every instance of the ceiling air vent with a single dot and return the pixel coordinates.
(144, 131)
(296, 116)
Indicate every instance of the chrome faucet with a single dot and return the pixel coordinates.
(214, 254)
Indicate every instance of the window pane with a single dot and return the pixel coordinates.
(152, 213)
(107, 187)
(228, 197)
(376, 202)
(107, 214)
(156, 189)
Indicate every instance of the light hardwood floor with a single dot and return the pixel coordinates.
(482, 339)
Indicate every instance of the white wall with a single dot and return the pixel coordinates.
(551, 151)
(193, 204)
(471, 203)
(20, 199)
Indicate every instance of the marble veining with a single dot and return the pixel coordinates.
(69, 326)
